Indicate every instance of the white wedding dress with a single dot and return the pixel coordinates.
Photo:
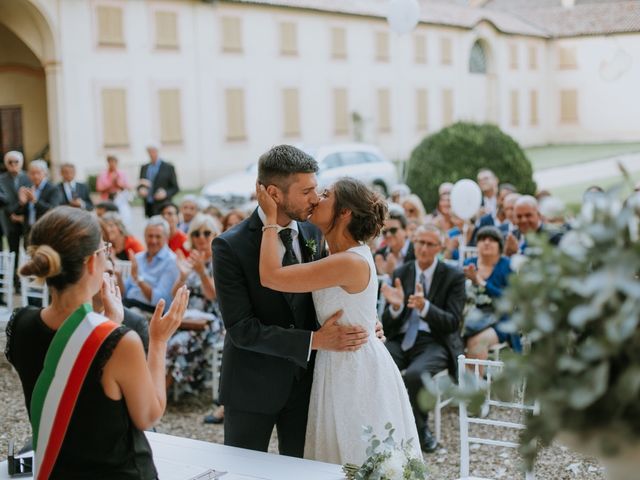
(355, 389)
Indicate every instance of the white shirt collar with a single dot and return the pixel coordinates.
(428, 273)
(293, 225)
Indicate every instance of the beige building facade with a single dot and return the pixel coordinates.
(216, 83)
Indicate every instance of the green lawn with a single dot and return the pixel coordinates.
(557, 155)
(572, 194)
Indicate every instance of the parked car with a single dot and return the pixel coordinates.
(364, 162)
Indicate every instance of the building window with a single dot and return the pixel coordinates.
(533, 57)
(420, 48)
(288, 39)
(513, 56)
(446, 51)
(478, 59)
(384, 111)
(338, 43)
(567, 58)
(110, 29)
(422, 109)
(340, 111)
(170, 116)
(231, 35)
(447, 107)
(382, 46)
(234, 104)
(515, 108)
(114, 117)
(568, 106)
(291, 108)
(166, 30)
(533, 107)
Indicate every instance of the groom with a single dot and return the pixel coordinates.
(268, 356)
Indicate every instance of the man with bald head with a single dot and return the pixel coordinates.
(528, 220)
(10, 183)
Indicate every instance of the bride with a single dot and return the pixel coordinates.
(350, 389)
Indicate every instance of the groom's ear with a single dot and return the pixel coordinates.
(275, 193)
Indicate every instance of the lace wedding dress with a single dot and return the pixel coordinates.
(355, 389)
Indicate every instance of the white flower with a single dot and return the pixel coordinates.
(393, 467)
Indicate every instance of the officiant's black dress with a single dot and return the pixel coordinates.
(101, 442)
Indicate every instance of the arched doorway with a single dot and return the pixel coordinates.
(28, 80)
(482, 79)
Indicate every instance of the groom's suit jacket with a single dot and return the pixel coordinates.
(447, 296)
(268, 332)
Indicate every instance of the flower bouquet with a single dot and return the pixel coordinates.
(386, 460)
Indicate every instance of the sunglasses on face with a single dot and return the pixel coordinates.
(197, 233)
(390, 231)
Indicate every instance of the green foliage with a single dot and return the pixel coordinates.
(91, 182)
(579, 306)
(459, 151)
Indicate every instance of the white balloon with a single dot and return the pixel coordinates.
(403, 15)
(466, 198)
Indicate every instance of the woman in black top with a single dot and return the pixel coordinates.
(122, 393)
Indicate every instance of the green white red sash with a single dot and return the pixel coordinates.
(72, 350)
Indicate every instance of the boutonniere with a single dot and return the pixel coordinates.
(311, 246)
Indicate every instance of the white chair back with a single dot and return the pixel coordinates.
(7, 266)
(216, 368)
(31, 287)
(490, 367)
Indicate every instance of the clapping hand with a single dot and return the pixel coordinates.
(185, 266)
(266, 201)
(471, 273)
(160, 195)
(23, 195)
(134, 263)
(161, 326)
(511, 245)
(196, 259)
(417, 300)
(394, 295)
(111, 299)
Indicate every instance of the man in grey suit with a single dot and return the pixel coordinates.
(10, 183)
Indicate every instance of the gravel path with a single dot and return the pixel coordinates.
(184, 419)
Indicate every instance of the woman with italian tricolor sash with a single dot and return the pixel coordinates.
(89, 390)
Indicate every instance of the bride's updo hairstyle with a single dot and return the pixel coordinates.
(368, 209)
(59, 244)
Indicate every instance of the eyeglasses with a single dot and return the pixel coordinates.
(390, 231)
(197, 233)
(420, 243)
(13, 162)
(106, 247)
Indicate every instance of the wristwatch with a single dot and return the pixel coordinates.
(139, 279)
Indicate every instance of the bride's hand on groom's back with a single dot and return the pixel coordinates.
(339, 338)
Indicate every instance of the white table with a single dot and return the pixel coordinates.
(179, 458)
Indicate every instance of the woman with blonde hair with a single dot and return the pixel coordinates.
(88, 388)
(414, 208)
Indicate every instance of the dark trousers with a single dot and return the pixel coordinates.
(427, 355)
(13, 238)
(253, 430)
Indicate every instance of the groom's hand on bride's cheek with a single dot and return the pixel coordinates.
(339, 338)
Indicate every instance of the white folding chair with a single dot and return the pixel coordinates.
(490, 367)
(440, 404)
(468, 252)
(30, 287)
(6, 277)
(124, 268)
(216, 368)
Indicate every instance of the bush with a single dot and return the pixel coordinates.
(91, 182)
(459, 151)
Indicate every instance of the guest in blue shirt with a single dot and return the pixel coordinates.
(489, 275)
(154, 271)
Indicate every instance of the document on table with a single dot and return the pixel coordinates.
(173, 470)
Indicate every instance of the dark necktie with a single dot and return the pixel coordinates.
(411, 334)
(286, 235)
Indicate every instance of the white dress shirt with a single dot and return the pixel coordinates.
(428, 278)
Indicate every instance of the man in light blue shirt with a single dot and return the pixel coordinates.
(153, 272)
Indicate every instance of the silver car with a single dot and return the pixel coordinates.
(361, 161)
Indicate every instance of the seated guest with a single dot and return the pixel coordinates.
(188, 209)
(120, 394)
(499, 219)
(106, 207)
(153, 272)
(414, 208)
(189, 350)
(38, 199)
(231, 219)
(422, 320)
(74, 194)
(489, 274)
(120, 237)
(528, 220)
(488, 183)
(177, 238)
(398, 248)
(443, 216)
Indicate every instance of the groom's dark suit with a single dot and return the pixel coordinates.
(436, 350)
(266, 370)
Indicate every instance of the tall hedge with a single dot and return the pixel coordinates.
(459, 151)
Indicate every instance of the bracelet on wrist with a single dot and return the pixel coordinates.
(271, 225)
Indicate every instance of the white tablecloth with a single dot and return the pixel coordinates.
(179, 458)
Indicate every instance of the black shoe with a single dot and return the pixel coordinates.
(209, 419)
(428, 442)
